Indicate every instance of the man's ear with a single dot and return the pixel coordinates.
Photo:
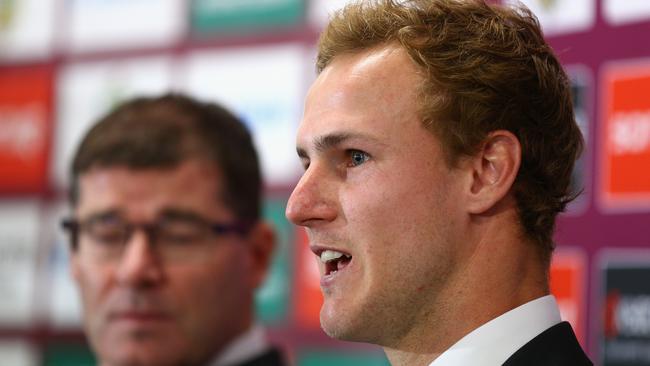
(494, 169)
(262, 243)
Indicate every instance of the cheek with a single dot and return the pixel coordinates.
(400, 225)
(196, 286)
(376, 222)
(389, 208)
(93, 282)
(211, 307)
(210, 290)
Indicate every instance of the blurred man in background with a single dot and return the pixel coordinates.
(167, 242)
(438, 143)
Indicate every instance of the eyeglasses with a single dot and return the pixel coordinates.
(174, 239)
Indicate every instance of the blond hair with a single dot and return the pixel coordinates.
(485, 67)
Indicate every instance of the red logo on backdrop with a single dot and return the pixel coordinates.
(25, 105)
(611, 305)
(568, 287)
(625, 180)
(624, 333)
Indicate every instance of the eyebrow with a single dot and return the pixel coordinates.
(179, 214)
(166, 213)
(103, 215)
(329, 141)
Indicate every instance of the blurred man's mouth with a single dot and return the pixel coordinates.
(139, 318)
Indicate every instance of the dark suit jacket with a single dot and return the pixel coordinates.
(556, 346)
(272, 357)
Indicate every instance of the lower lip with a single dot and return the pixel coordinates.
(140, 319)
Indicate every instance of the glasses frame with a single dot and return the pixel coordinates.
(72, 227)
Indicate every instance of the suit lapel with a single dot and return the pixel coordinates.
(556, 346)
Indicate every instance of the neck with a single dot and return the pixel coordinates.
(402, 358)
(497, 272)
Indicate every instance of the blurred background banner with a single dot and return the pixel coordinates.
(25, 128)
(626, 136)
(27, 29)
(265, 86)
(100, 25)
(15, 352)
(569, 285)
(562, 16)
(85, 91)
(229, 16)
(64, 63)
(624, 328)
(619, 12)
(19, 227)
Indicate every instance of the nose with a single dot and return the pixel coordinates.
(139, 265)
(313, 200)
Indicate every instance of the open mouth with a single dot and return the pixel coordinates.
(334, 261)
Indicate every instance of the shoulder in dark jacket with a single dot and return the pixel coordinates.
(556, 346)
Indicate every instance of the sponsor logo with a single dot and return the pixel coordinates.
(22, 134)
(548, 4)
(629, 132)
(625, 328)
(627, 316)
(625, 137)
(7, 13)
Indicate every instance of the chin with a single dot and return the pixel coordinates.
(343, 326)
(339, 333)
(138, 359)
(129, 357)
(140, 354)
(124, 359)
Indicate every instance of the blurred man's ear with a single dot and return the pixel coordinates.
(262, 244)
(494, 169)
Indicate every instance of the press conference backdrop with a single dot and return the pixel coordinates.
(63, 63)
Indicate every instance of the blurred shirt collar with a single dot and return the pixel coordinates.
(248, 345)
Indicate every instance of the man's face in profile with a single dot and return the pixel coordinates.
(381, 206)
(169, 296)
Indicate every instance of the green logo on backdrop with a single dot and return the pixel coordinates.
(213, 16)
(7, 13)
(272, 299)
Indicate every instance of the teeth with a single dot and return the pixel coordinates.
(330, 255)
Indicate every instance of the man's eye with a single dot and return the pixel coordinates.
(179, 233)
(357, 157)
(107, 234)
(179, 238)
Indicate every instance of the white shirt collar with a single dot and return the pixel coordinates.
(495, 341)
(250, 344)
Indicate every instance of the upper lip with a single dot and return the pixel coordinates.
(318, 249)
(141, 314)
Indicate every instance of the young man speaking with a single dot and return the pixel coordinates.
(438, 143)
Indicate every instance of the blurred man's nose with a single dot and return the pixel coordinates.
(139, 265)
